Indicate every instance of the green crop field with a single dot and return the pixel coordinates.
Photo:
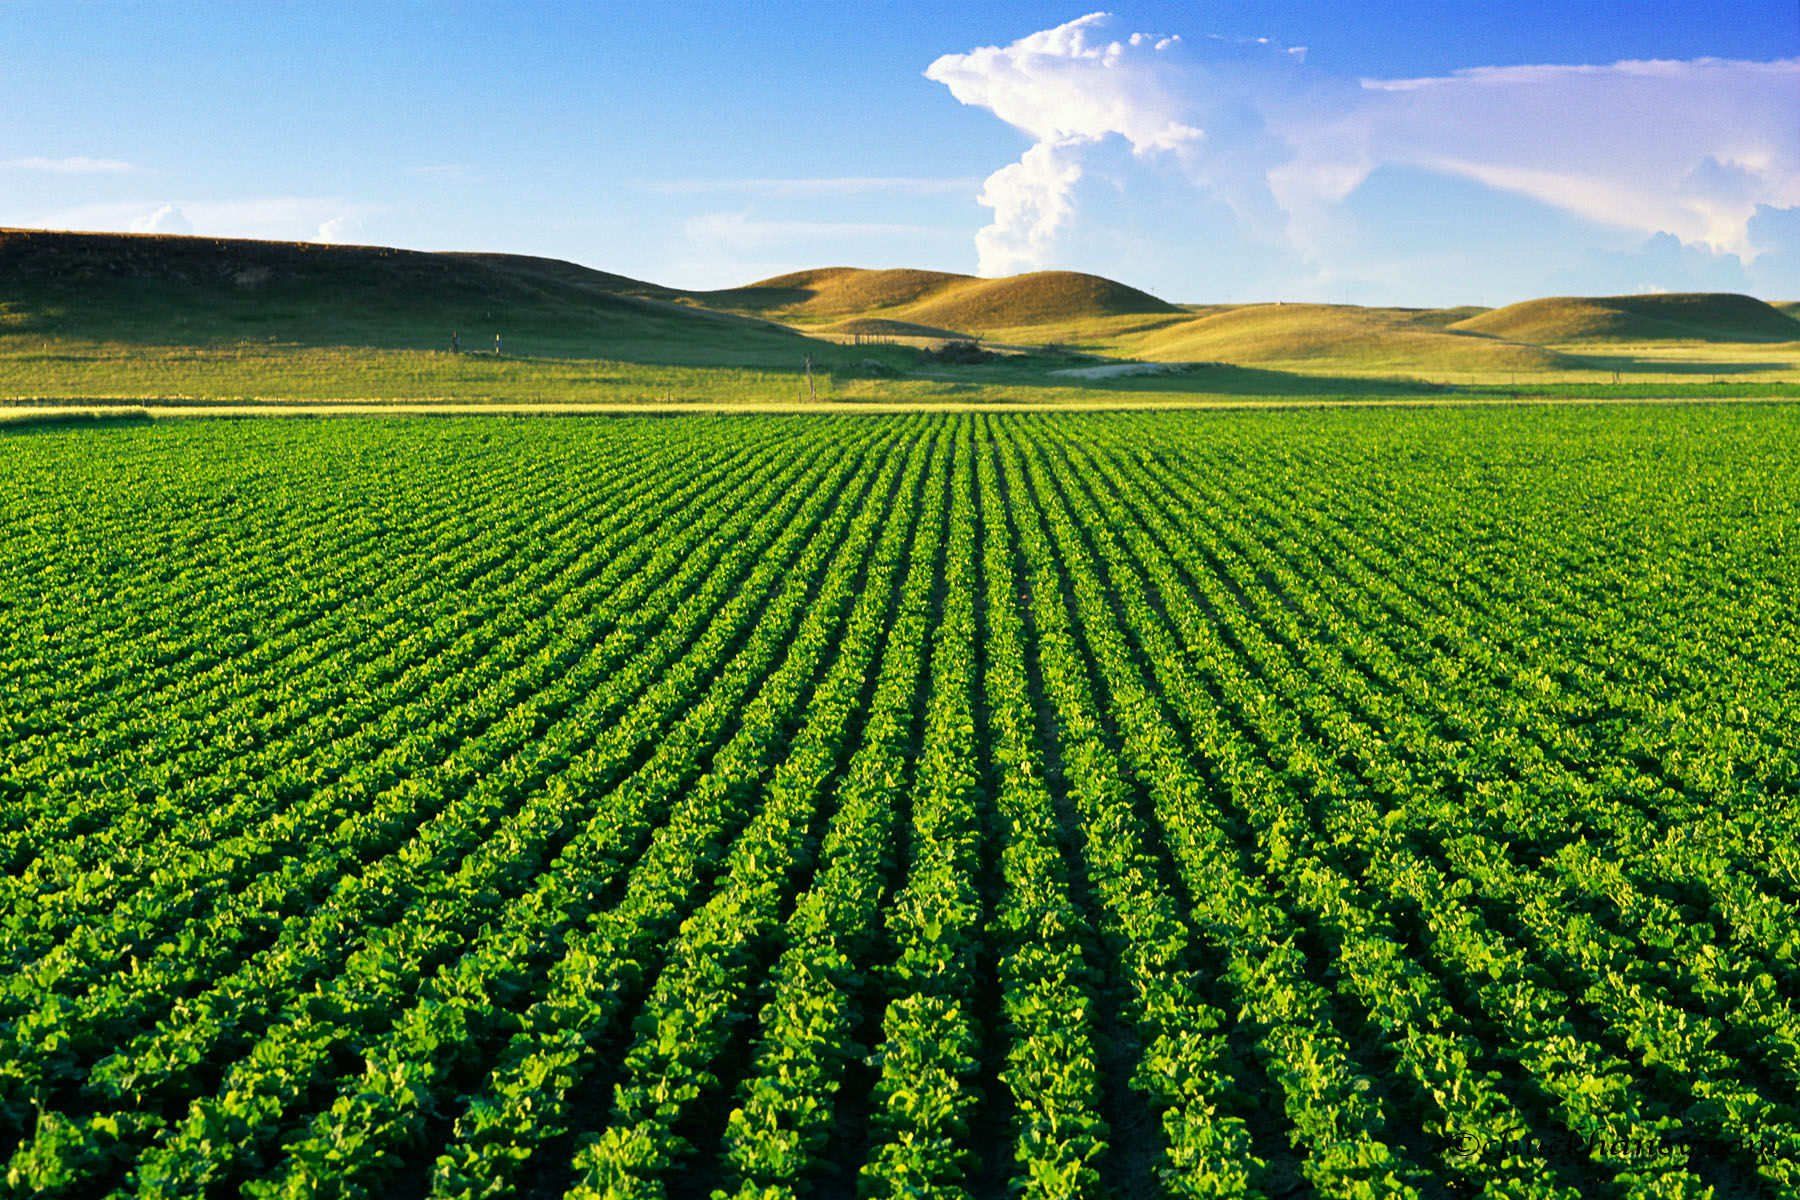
(1311, 803)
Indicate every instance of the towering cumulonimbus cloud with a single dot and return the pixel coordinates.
(1067, 90)
(1694, 148)
(1032, 199)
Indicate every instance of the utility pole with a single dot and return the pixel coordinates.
(812, 391)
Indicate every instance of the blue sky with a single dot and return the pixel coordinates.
(1245, 151)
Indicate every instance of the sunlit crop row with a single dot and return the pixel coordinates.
(1339, 804)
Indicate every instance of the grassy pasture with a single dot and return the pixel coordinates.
(117, 317)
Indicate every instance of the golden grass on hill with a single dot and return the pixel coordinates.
(1040, 298)
(1699, 316)
(952, 303)
(159, 317)
(1437, 318)
(1340, 335)
(834, 292)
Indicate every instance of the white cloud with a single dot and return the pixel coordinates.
(1691, 148)
(1032, 199)
(1066, 89)
(279, 218)
(1683, 147)
(1063, 85)
(166, 219)
(848, 185)
(77, 165)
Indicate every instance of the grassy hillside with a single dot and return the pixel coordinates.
(1696, 316)
(1335, 334)
(829, 292)
(1041, 298)
(888, 327)
(1015, 305)
(109, 317)
(212, 292)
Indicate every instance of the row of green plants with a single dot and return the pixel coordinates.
(438, 908)
(1629, 1130)
(522, 710)
(649, 778)
(704, 991)
(1353, 805)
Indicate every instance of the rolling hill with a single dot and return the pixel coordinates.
(214, 291)
(960, 303)
(1041, 298)
(831, 292)
(1341, 335)
(1693, 316)
(1099, 314)
(146, 315)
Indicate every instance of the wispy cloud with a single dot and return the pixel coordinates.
(335, 229)
(847, 185)
(1691, 148)
(165, 218)
(76, 165)
(282, 218)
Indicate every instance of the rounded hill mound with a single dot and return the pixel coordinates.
(944, 301)
(843, 291)
(1691, 316)
(1040, 298)
(206, 291)
(1294, 333)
